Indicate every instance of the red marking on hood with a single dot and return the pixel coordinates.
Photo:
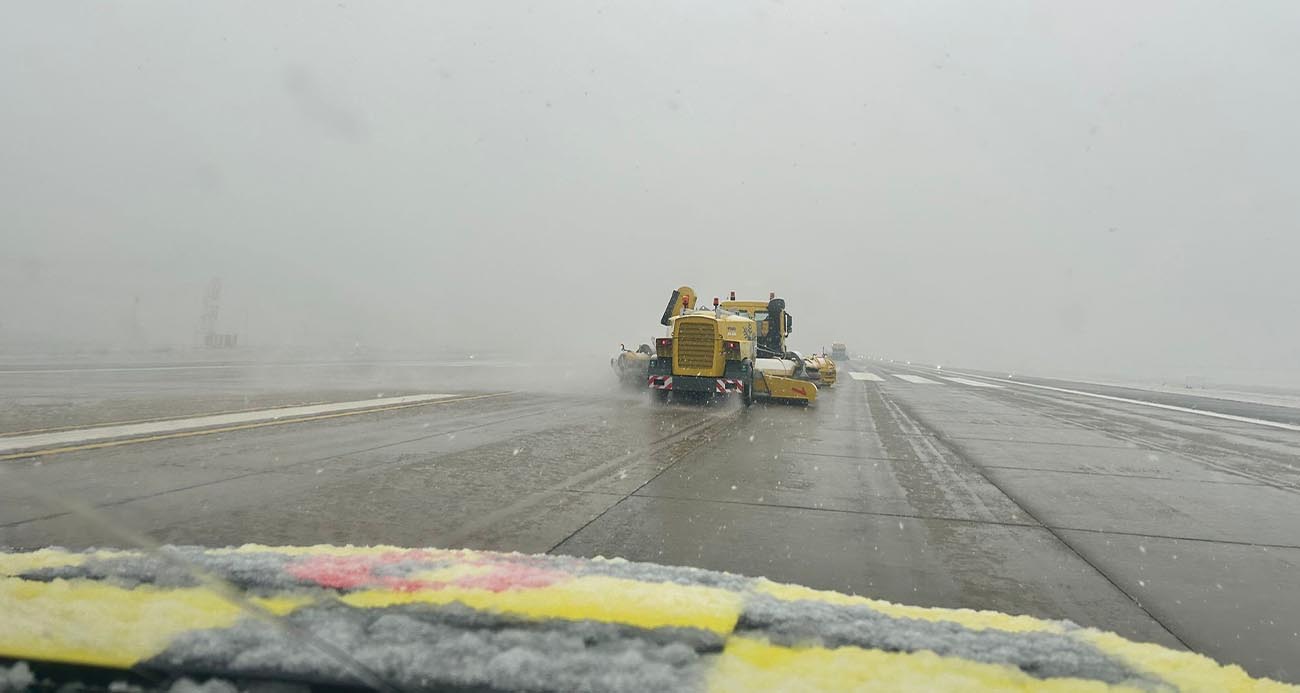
(358, 572)
(507, 576)
(349, 572)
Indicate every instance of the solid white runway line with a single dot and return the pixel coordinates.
(1157, 405)
(869, 377)
(114, 369)
(974, 383)
(97, 433)
(248, 366)
(915, 379)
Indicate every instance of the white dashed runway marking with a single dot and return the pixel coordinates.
(974, 383)
(914, 379)
(869, 377)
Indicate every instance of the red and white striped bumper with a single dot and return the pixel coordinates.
(724, 385)
(695, 384)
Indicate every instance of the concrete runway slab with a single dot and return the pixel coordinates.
(939, 494)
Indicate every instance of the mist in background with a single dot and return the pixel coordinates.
(1107, 187)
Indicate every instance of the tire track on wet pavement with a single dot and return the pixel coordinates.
(911, 425)
(573, 482)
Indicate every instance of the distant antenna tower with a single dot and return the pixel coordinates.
(211, 307)
(136, 335)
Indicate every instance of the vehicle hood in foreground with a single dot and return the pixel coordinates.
(402, 619)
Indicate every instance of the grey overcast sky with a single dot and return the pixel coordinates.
(1052, 186)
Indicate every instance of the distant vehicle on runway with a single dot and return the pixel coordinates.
(632, 367)
(734, 347)
(839, 351)
(821, 369)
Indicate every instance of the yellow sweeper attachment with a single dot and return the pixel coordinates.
(781, 387)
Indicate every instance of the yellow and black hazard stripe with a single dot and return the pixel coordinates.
(428, 618)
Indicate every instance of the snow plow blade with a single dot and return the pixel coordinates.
(780, 387)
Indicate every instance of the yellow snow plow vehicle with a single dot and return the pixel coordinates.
(734, 347)
(822, 369)
(783, 373)
(631, 367)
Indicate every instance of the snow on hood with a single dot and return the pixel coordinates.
(398, 618)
